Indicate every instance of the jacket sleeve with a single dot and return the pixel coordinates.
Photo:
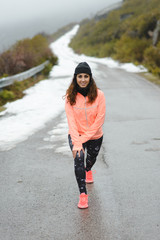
(77, 144)
(98, 121)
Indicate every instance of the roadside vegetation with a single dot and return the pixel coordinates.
(22, 56)
(26, 54)
(128, 34)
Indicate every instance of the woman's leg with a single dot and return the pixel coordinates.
(93, 147)
(79, 169)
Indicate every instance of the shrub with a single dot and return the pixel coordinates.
(152, 59)
(107, 49)
(130, 49)
(47, 69)
(53, 59)
(7, 95)
(4, 75)
(143, 24)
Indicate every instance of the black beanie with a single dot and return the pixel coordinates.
(83, 67)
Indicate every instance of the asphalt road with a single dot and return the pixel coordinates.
(38, 190)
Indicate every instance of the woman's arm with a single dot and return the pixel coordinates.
(77, 143)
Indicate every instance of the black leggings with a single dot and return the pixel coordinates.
(93, 147)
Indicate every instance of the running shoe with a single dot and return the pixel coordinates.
(89, 177)
(83, 201)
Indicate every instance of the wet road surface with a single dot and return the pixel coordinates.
(39, 193)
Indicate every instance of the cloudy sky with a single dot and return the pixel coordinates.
(28, 17)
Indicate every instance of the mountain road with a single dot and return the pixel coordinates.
(39, 193)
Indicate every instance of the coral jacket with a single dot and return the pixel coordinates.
(85, 120)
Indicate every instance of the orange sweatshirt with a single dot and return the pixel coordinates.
(85, 120)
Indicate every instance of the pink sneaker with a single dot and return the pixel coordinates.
(83, 201)
(89, 177)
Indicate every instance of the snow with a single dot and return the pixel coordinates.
(43, 101)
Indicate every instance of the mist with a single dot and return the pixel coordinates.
(25, 18)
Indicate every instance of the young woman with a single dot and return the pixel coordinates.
(85, 110)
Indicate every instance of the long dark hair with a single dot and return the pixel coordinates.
(72, 91)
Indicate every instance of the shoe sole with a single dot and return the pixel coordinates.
(83, 207)
(89, 181)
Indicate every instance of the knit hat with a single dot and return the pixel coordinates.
(83, 67)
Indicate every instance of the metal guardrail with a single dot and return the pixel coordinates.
(22, 76)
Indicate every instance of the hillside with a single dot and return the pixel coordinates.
(60, 32)
(130, 33)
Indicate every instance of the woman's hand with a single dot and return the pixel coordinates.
(74, 152)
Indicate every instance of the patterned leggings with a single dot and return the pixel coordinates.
(93, 147)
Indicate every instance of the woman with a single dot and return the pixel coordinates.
(85, 110)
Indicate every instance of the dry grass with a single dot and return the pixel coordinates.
(152, 78)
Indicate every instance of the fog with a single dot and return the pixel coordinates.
(25, 18)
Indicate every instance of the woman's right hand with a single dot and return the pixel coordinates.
(74, 152)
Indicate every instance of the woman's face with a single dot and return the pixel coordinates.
(83, 79)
